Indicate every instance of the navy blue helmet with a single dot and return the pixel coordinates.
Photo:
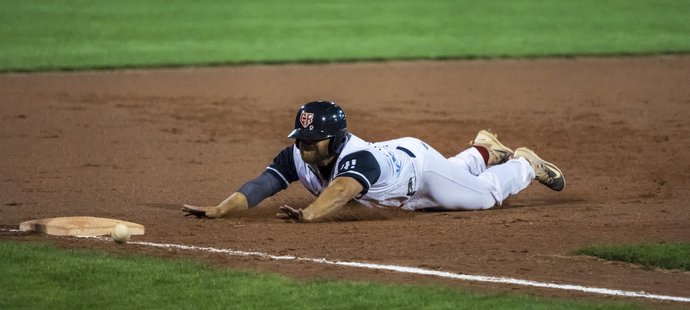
(320, 120)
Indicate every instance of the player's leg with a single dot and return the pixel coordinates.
(470, 160)
(486, 151)
(453, 187)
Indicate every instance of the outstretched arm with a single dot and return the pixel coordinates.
(275, 178)
(248, 196)
(236, 202)
(333, 197)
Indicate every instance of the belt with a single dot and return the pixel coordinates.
(408, 152)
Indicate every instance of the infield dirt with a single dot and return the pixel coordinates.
(137, 144)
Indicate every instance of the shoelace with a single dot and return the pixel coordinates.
(543, 174)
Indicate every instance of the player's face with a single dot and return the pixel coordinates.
(315, 152)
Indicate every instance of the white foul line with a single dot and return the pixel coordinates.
(415, 270)
(422, 271)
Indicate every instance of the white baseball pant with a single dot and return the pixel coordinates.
(463, 182)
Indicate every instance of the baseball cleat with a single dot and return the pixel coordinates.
(546, 172)
(498, 153)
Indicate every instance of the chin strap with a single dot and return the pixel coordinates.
(336, 147)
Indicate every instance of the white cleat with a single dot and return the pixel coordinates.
(546, 172)
(498, 153)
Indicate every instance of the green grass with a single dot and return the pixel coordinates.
(50, 35)
(43, 277)
(668, 256)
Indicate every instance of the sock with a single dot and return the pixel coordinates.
(485, 153)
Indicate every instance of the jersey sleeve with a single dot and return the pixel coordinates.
(362, 166)
(283, 167)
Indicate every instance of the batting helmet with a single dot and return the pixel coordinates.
(319, 120)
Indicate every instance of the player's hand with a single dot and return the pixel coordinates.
(287, 212)
(199, 211)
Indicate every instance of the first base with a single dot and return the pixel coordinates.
(78, 226)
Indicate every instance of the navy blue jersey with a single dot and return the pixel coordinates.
(361, 166)
(385, 170)
(283, 167)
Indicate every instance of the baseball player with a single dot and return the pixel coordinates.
(337, 166)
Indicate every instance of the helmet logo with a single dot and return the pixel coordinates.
(306, 119)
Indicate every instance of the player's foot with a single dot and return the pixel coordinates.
(498, 153)
(546, 172)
